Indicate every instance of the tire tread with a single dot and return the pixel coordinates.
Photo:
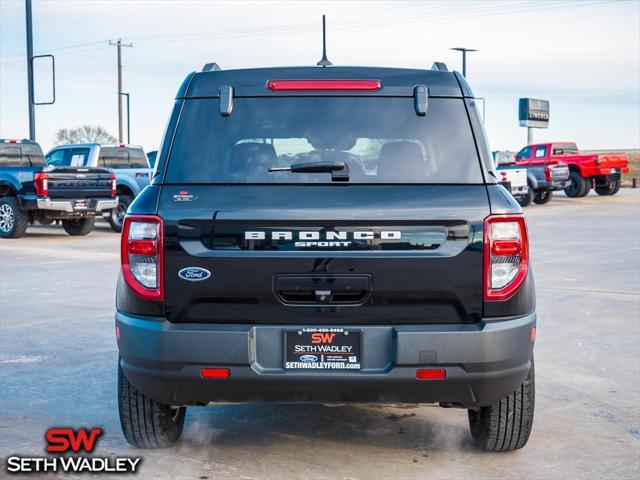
(146, 423)
(506, 425)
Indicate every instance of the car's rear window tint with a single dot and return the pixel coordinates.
(565, 149)
(20, 155)
(380, 138)
(122, 157)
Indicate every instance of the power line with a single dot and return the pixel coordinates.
(371, 22)
(442, 14)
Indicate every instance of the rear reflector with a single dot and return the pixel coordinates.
(306, 85)
(215, 373)
(431, 373)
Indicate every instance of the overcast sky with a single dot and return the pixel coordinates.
(582, 56)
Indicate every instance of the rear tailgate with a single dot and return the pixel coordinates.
(79, 183)
(381, 254)
(612, 160)
(559, 172)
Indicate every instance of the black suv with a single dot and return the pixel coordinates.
(327, 235)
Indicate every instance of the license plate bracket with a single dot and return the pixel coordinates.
(324, 349)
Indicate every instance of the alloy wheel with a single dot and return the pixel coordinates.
(7, 218)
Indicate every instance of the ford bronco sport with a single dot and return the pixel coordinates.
(327, 235)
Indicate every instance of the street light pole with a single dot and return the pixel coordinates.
(128, 118)
(32, 108)
(464, 58)
(119, 44)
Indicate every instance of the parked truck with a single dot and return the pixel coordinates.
(129, 163)
(512, 178)
(543, 178)
(31, 191)
(600, 171)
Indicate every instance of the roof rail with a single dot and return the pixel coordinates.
(439, 67)
(211, 67)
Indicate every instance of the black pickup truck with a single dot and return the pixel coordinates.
(326, 235)
(30, 191)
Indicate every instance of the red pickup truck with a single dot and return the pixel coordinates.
(602, 171)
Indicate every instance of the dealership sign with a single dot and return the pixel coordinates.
(65, 441)
(533, 113)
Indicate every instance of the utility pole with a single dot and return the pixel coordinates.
(464, 58)
(119, 44)
(32, 108)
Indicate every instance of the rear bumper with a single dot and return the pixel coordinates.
(559, 184)
(484, 362)
(93, 205)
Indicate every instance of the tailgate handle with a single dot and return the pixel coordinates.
(322, 289)
(323, 296)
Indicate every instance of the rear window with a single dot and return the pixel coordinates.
(122, 157)
(69, 157)
(380, 138)
(20, 155)
(565, 149)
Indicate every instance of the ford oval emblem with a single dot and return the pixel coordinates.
(308, 358)
(194, 274)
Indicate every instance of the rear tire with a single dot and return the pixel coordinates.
(146, 423)
(543, 197)
(526, 200)
(506, 425)
(78, 226)
(578, 186)
(116, 216)
(13, 221)
(611, 189)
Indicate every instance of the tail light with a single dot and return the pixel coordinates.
(114, 184)
(308, 85)
(503, 176)
(142, 256)
(506, 256)
(547, 174)
(41, 182)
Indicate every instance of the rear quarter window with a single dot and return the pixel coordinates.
(381, 139)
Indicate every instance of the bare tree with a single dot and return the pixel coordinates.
(84, 134)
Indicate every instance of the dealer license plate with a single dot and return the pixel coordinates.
(322, 349)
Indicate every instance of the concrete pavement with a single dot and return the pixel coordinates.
(58, 367)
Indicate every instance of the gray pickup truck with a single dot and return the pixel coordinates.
(542, 178)
(129, 163)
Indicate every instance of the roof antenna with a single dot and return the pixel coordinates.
(324, 61)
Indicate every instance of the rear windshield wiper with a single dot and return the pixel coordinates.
(339, 170)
